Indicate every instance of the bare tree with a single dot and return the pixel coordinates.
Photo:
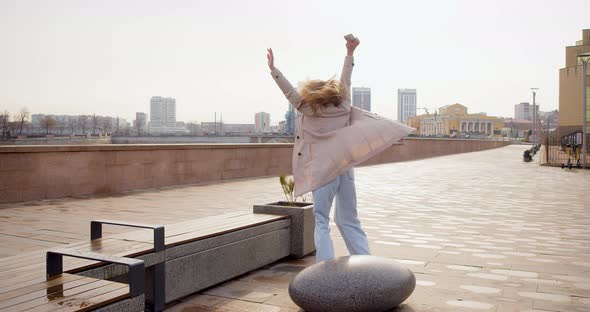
(48, 122)
(107, 124)
(22, 118)
(83, 122)
(94, 124)
(5, 123)
(62, 127)
(71, 125)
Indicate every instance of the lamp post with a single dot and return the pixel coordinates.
(534, 115)
(584, 59)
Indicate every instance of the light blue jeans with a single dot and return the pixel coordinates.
(345, 216)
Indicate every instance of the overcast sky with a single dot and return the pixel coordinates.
(109, 57)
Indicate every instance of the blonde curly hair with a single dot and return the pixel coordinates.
(321, 93)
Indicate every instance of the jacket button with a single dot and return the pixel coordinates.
(297, 137)
(277, 76)
(299, 154)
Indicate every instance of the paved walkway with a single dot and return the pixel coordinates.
(482, 231)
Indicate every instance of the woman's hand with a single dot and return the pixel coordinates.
(271, 59)
(351, 46)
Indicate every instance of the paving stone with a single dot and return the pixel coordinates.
(238, 305)
(242, 290)
(534, 216)
(204, 300)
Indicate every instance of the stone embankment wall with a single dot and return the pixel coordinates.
(43, 172)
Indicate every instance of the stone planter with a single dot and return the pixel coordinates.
(302, 224)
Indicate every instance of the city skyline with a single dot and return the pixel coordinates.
(119, 54)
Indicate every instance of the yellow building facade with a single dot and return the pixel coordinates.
(571, 89)
(454, 121)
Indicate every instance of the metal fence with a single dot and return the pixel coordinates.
(566, 151)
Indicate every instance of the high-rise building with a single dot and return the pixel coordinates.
(262, 121)
(290, 120)
(524, 111)
(162, 112)
(570, 87)
(361, 98)
(406, 104)
(140, 123)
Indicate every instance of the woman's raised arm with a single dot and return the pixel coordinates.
(290, 93)
(271, 59)
(345, 76)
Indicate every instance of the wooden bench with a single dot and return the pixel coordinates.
(32, 268)
(202, 252)
(30, 291)
(195, 255)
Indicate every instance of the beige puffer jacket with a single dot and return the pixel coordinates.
(336, 138)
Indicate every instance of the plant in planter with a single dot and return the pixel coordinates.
(288, 185)
(301, 214)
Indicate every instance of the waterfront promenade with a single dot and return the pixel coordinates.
(482, 231)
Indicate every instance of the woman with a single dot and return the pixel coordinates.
(331, 137)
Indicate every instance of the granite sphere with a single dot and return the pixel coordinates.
(353, 283)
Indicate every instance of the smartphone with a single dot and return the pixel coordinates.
(349, 37)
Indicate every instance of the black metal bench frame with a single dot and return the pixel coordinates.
(159, 245)
(54, 262)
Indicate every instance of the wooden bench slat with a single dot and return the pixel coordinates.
(72, 303)
(96, 302)
(56, 280)
(172, 229)
(99, 244)
(133, 251)
(127, 248)
(26, 306)
(34, 275)
(29, 254)
(7, 261)
(214, 227)
(242, 219)
(70, 264)
(22, 283)
(115, 247)
(17, 256)
(199, 235)
(17, 262)
(187, 227)
(30, 294)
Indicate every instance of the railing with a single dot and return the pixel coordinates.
(566, 152)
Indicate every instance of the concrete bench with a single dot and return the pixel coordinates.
(193, 255)
(204, 252)
(198, 253)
